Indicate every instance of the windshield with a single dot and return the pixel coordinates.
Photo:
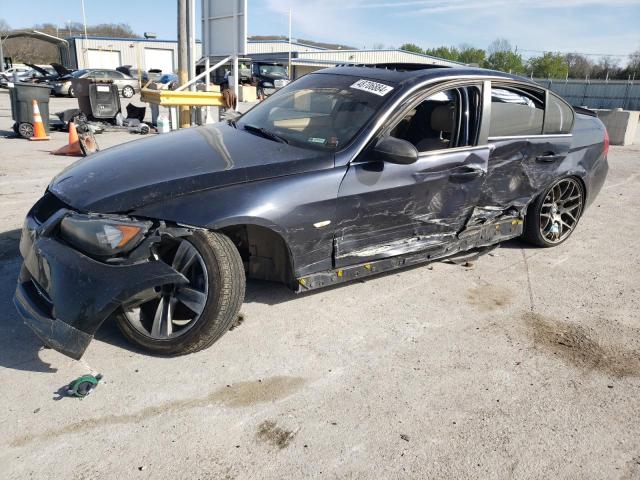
(318, 111)
(272, 70)
(79, 73)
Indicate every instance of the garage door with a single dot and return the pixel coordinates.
(158, 58)
(103, 59)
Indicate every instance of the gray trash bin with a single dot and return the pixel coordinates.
(97, 99)
(22, 96)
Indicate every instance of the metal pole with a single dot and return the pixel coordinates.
(236, 47)
(84, 20)
(290, 72)
(183, 58)
(1, 56)
(191, 15)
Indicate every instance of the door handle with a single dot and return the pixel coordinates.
(549, 157)
(466, 173)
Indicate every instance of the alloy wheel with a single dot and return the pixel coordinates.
(561, 210)
(169, 311)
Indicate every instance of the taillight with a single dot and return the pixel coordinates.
(606, 142)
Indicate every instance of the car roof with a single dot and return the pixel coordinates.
(410, 73)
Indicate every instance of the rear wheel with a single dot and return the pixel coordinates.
(179, 319)
(554, 215)
(71, 92)
(127, 91)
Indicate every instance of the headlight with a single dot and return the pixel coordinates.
(267, 84)
(102, 236)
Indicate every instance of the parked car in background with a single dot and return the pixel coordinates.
(346, 172)
(16, 73)
(127, 86)
(134, 72)
(268, 77)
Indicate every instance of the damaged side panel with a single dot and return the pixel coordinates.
(387, 209)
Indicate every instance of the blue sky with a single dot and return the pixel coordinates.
(589, 26)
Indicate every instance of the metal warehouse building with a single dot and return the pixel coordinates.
(308, 58)
(106, 52)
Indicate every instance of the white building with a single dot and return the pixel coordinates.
(107, 52)
(308, 58)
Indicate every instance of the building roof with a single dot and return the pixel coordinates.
(123, 39)
(409, 73)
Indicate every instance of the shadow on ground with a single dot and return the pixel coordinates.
(19, 347)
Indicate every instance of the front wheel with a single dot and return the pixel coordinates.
(181, 319)
(127, 91)
(554, 215)
(71, 92)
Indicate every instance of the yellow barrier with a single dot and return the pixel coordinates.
(171, 98)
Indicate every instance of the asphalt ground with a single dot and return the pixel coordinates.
(525, 364)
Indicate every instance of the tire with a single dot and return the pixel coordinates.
(25, 130)
(224, 297)
(128, 91)
(71, 93)
(554, 206)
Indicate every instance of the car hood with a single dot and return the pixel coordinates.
(163, 167)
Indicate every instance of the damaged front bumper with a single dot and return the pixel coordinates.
(64, 296)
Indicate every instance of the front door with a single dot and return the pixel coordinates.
(387, 209)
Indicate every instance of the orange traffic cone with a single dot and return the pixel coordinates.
(38, 127)
(73, 147)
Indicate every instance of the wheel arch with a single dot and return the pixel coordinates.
(264, 251)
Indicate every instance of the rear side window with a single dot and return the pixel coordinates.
(514, 112)
(558, 117)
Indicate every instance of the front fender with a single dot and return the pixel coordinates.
(300, 208)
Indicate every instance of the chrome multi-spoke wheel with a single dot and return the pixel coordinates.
(561, 210)
(182, 318)
(169, 311)
(553, 216)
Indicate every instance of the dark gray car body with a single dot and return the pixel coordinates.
(306, 217)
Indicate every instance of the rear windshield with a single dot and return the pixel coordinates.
(319, 111)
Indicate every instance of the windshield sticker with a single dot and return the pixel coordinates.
(318, 140)
(376, 88)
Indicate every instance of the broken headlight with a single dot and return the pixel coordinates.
(102, 236)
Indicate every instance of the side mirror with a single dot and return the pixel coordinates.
(395, 150)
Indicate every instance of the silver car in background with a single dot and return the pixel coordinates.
(127, 85)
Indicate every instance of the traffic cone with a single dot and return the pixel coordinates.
(73, 147)
(39, 132)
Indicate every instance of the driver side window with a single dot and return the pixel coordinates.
(436, 122)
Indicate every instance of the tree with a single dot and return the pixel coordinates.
(607, 67)
(31, 50)
(579, 66)
(548, 65)
(449, 53)
(633, 67)
(4, 26)
(411, 47)
(499, 45)
(505, 61)
(469, 54)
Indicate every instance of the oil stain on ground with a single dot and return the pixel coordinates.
(576, 345)
(241, 394)
(269, 432)
(489, 298)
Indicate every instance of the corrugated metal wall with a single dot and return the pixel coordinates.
(596, 93)
(259, 46)
(375, 56)
(131, 50)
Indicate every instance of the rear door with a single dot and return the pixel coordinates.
(387, 209)
(529, 133)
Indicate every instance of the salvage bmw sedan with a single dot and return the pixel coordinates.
(345, 173)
